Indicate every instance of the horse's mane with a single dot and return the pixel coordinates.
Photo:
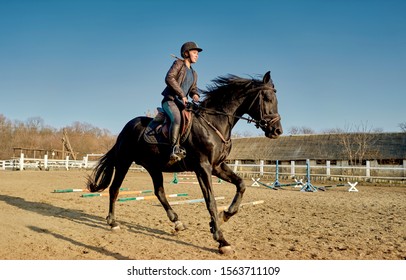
(226, 89)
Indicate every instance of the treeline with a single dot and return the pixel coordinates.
(34, 134)
(86, 138)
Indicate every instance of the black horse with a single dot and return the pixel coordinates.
(207, 147)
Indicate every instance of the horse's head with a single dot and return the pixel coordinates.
(233, 96)
(264, 108)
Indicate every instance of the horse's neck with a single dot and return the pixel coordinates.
(227, 119)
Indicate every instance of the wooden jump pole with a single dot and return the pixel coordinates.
(193, 201)
(79, 190)
(222, 208)
(196, 183)
(176, 179)
(123, 199)
(121, 193)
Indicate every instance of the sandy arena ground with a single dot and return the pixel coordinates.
(36, 223)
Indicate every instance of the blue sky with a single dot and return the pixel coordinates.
(334, 63)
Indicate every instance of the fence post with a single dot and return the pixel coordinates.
(368, 169)
(404, 168)
(45, 162)
(292, 168)
(328, 169)
(261, 167)
(86, 161)
(67, 163)
(235, 166)
(21, 162)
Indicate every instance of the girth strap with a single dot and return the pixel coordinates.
(216, 130)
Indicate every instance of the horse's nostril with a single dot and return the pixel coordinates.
(278, 131)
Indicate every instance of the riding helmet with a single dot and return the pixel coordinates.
(188, 46)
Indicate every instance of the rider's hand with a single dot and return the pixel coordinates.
(196, 98)
(184, 100)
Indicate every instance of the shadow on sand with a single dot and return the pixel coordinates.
(80, 217)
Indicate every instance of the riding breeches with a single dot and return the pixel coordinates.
(172, 110)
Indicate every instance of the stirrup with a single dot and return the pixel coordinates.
(173, 158)
(178, 153)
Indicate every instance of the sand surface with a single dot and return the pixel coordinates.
(36, 223)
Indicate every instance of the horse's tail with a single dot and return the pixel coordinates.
(103, 172)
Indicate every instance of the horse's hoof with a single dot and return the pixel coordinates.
(115, 227)
(179, 226)
(226, 250)
(222, 217)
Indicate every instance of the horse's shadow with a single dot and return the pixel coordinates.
(50, 210)
(139, 229)
(78, 216)
(100, 250)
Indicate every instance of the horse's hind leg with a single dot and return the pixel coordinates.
(119, 176)
(225, 173)
(158, 181)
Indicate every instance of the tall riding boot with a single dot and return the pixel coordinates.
(177, 152)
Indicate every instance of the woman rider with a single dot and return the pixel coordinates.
(181, 81)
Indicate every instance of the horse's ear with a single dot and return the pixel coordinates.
(267, 77)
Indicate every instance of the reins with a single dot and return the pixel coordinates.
(216, 130)
(194, 107)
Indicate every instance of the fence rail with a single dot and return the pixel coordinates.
(22, 163)
(369, 172)
(326, 171)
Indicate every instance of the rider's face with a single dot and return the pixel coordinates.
(193, 56)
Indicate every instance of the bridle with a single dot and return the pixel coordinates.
(265, 119)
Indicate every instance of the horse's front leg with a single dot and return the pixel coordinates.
(224, 172)
(159, 191)
(205, 181)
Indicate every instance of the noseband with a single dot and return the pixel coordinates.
(267, 120)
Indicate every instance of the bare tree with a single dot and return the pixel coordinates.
(294, 130)
(243, 134)
(35, 123)
(402, 126)
(6, 136)
(34, 134)
(357, 142)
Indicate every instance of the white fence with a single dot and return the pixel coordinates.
(327, 171)
(370, 172)
(23, 163)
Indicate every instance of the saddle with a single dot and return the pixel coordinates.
(157, 131)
